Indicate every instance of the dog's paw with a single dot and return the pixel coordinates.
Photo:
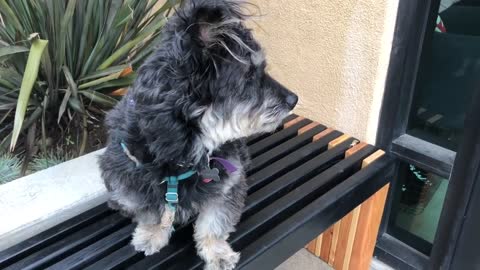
(220, 256)
(149, 240)
(224, 262)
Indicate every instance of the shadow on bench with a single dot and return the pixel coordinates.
(304, 178)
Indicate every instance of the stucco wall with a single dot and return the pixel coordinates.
(334, 54)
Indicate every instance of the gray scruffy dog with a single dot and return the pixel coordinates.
(198, 95)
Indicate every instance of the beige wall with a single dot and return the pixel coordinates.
(334, 54)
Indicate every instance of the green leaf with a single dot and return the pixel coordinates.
(100, 98)
(105, 72)
(84, 41)
(83, 144)
(26, 124)
(124, 15)
(63, 106)
(5, 116)
(113, 12)
(10, 78)
(75, 103)
(10, 15)
(7, 106)
(63, 30)
(29, 78)
(120, 82)
(6, 84)
(101, 80)
(71, 82)
(12, 50)
(129, 45)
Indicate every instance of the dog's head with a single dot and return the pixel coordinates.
(213, 71)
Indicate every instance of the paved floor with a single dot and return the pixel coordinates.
(305, 260)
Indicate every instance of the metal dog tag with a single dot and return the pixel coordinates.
(211, 174)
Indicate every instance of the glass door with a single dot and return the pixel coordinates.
(433, 79)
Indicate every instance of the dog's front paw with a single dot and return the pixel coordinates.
(150, 239)
(224, 262)
(219, 256)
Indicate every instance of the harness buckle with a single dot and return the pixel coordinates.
(171, 197)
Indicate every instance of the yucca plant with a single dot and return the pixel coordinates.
(63, 63)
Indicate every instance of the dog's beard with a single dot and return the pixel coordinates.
(244, 120)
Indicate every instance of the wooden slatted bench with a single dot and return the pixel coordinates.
(304, 179)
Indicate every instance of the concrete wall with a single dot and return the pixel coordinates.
(334, 54)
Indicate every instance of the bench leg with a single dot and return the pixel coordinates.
(151, 238)
(349, 244)
(215, 222)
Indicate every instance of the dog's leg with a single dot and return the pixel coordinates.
(216, 220)
(150, 238)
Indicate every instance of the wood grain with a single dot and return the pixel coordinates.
(293, 122)
(350, 238)
(349, 243)
(354, 149)
(345, 226)
(367, 161)
(370, 216)
(342, 227)
(333, 247)
(326, 244)
(338, 141)
(311, 246)
(322, 134)
(307, 128)
(318, 246)
(348, 227)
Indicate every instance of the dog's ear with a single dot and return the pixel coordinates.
(214, 22)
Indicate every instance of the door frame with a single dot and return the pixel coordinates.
(458, 218)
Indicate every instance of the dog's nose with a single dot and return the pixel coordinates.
(292, 100)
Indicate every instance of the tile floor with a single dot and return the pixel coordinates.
(305, 260)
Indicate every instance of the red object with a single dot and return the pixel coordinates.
(207, 180)
(440, 27)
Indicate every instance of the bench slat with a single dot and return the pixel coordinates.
(49, 236)
(71, 243)
(262, 177)
(117, 259)
(294, 178)
(97, 250)
(277, 138)
(179, 245)
(284, 149)
(257, 137)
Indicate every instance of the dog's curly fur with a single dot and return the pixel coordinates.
(198, 95)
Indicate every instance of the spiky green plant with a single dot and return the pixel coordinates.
(10, 168)
(62, 63)
(48, 159)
